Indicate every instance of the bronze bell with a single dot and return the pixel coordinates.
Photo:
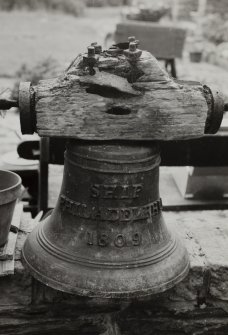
(107, 236)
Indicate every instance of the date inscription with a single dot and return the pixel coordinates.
(119, 240)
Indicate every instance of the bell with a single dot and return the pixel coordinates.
(106, 236)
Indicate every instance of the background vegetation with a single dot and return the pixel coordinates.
(73, 7)
(215, 28)
(47, 68)
(101, 3)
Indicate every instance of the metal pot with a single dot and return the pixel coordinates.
(10, 190)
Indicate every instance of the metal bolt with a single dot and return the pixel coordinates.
(90, 59)
(132, 47)
(131, 39)
(6, 102)
(91, 51)
(133, 53)
(98, 49)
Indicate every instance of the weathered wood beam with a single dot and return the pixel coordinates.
(121, 102)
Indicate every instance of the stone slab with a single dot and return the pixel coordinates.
(205, 235)
(7, 261)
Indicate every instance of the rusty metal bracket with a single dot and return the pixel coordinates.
(216, 106)
(6, 102)
(27, 108)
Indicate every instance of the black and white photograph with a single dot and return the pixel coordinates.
(113, 167)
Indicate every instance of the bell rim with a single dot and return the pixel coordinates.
(72, 288)
(60, 254)
(131, 294)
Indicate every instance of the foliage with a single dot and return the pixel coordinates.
(215, 28)
(101, 3)
(74, 7)
(153, 14)
(48, 68)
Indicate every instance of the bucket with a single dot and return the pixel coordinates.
(10, 191)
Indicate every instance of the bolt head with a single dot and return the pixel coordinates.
(131, 39)
(91, 51)
(98, 49)
(133, 56)
(132, 46)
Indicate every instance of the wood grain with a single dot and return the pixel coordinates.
(107, 106)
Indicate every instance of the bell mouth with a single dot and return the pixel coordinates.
(98, 280)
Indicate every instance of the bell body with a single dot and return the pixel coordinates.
(106, 236)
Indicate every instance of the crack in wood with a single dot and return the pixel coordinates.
(81, 106)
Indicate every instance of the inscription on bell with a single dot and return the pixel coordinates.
(116, 191)
(127, 214)
(119, 240)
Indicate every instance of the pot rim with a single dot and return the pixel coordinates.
(13, 186)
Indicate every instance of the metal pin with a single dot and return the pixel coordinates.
(132, 47)
(131, 39)
(137, 42)
(91, 51)
(98, 49)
